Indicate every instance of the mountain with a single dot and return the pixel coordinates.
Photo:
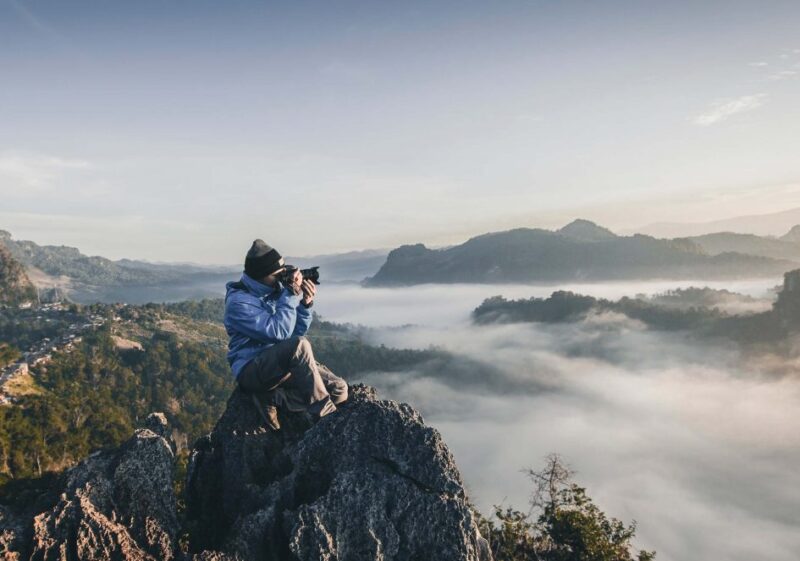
(583, 252)
(88, 279)
(64, 261)
(15, 286)
(770, 224)
(586, 230)
(341, 267)
(751, 244)
(792, 235)
(370, 481)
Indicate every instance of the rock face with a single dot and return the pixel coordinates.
(116, 505)
(368, 482)
(15, 286)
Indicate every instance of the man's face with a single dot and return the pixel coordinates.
(272, 280)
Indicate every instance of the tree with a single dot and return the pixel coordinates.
(562, 525)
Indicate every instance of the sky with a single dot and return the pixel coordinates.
(180, 131)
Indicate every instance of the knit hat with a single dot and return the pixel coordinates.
(262, 260)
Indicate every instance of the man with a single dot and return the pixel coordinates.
(268, 353)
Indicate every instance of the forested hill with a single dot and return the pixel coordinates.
(15, 287)
(114, 364)
(581, 250)
(698, 311)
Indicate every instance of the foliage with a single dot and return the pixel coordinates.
(207, 309)
(8, 354)
(24, 328)
(93, 398)
(568, 527)
(565, 306)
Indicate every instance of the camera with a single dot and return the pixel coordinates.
(312, 274)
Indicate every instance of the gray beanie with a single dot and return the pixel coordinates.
(262, 260)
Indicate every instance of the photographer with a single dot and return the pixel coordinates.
(267, 314)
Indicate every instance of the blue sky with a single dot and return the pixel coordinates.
(182, 130)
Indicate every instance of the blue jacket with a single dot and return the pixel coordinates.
(257, 316)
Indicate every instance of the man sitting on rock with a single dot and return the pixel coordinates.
(268, 353)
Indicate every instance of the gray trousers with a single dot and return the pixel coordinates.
(288, 373)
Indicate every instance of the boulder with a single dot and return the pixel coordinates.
(368, 482)
(118, 504)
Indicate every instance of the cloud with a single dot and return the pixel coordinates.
(724, 109)
(34, 171)
(695, 442)
(783, 74)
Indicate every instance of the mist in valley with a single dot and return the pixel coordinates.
(698, 443)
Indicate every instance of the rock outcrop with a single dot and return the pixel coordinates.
(115, 505)
(370, 482)
(15, 286)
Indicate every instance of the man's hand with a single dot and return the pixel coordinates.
(309, 290)
(296, 284)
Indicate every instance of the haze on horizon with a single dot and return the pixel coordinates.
(180, 131)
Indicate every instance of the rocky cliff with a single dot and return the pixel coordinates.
(368, 482)
(15, 286)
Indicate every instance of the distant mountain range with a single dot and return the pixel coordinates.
(580, 251)
(64, 261)
(91, 278)
(770, 224)
(724, 242)
(340, 267)
(584, 251)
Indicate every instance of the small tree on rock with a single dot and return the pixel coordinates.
(568, 527)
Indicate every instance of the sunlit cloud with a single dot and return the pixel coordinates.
(725, 109)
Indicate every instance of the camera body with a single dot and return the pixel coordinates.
(312, 274)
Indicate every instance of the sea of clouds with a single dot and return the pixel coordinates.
(699, 444)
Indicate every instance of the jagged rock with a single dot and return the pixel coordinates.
(12, 531)
(115, 505)
(370, 482)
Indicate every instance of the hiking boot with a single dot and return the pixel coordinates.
(268, 412)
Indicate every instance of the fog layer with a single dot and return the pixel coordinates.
(696, 443)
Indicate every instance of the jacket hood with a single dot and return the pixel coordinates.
(249, 284)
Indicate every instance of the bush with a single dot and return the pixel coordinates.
(569, 526)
